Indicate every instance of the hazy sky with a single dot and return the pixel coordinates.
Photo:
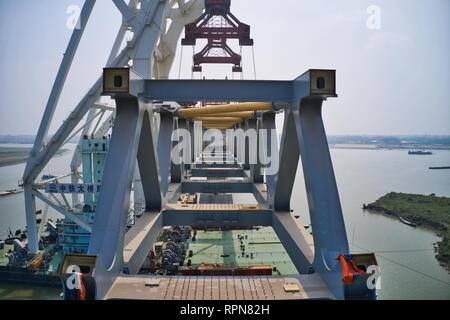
(392, 80)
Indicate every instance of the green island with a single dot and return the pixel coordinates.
(15, 155)
(430, 212)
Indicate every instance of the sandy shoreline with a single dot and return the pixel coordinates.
(13, 160)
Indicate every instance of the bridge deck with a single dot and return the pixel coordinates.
(218, 288)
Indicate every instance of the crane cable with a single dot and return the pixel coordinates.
(405, 266)
(192, 69)
(254, 64)
(242, 63)
(179, 68)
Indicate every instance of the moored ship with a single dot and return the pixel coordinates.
(10, 192)
(419, 152)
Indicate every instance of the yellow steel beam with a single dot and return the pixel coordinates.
(216, 127)
(241, 114)
(222, 119)
(236, 107)
(218, 124)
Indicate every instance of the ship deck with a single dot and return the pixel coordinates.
(219, 288)
(262, 247)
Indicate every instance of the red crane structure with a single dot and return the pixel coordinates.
(217, 24)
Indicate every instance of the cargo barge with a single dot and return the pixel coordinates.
(18, 265)
(419, 152)
(26, 276)
(11, 192)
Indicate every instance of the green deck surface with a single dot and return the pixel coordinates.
(263, 243)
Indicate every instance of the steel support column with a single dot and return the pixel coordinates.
(30, 209)
(247, 147)
(330, 237)
(114, 201)
(192, 134)
(257, 175)
(165, 148)
(255, 169)
(148, 161)
(268, 123)
(187, 166)
(289, 157)
(177, 170)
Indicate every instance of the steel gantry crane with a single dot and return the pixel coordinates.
(217, 24)
(136, 77)
(146, 20)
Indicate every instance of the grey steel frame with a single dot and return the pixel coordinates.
(303, 133)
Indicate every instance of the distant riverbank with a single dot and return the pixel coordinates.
(375, 146)
(14, 155)
(353, 146)
(430, 212)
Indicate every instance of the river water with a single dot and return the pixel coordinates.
(362, 177)
(404, 254)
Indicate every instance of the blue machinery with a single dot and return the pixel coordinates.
(120, 252)
(73, 238)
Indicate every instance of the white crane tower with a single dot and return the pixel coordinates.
(150, 52)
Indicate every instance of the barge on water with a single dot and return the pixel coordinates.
(407, 222)
(11, 192)
(419, 152)
(18, 265)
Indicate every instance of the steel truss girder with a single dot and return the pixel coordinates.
(303, 133)
(224, 90)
